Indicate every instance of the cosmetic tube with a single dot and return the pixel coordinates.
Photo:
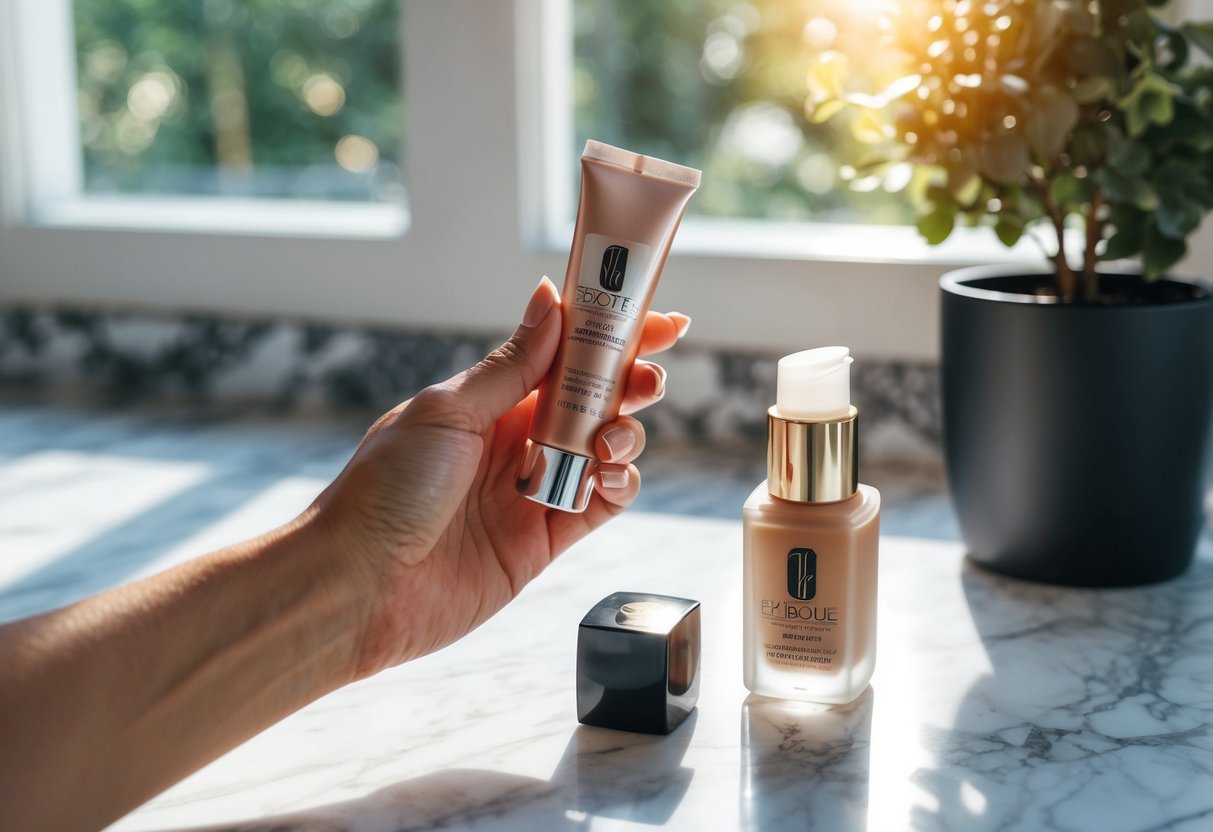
(629, 209)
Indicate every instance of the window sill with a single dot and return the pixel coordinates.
(243, 217)
(835, 242)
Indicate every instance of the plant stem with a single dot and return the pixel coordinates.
(1094, 233)
(1067, 282)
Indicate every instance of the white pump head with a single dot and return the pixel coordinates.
(814, 384)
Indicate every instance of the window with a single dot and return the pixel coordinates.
(259, 98)
(721, 85)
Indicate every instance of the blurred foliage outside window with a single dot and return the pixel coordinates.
(724, 86)
(303, 99)
(293, 99)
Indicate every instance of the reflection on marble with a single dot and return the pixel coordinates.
(792, 749)
(996, 705)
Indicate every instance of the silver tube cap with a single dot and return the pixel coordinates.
(556, 478)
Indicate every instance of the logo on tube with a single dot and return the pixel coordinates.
(614, 267)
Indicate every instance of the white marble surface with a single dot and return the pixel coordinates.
(997, 705)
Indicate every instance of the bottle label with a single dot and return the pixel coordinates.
(799, 629)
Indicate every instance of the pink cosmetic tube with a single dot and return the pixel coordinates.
(629, 209)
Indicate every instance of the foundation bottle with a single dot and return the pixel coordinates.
(810, 542)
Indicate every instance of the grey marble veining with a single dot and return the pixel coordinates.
(996, 705)
(130, 356)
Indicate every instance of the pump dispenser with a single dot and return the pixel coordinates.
(810, 542)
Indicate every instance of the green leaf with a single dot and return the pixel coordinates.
(1184, 193)
(1150, 101)
(1173, 42)
(1088, 143)
(1009, 229)
(1093, 57)
(1176, 216)
(1200, 34)
(1179, 179)
(1126, 242)
(1141, 30)
(937, 224)
(967, 191)
(941, 195)
(1159, 253)
(1189, 126)
(1129, 224)
(824, 111)
(1070, 190)
(1131, 189)
(1127, 156)
(1021, 205)
(1093, 89)
(1004, 158)
(1203, 96)
(882, 99)
(1052, 115)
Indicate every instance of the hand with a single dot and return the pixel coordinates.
(426, 513)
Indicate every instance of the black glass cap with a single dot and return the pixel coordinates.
(638, 662)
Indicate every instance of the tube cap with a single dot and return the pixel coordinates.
(556, 478)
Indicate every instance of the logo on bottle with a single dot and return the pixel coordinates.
(614, 266)
(802, 574)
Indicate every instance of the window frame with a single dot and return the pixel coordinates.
(49, 177)
(487, 132)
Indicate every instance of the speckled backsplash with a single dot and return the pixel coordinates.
(123, 358)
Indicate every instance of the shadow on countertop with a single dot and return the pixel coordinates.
(1095, 714)
(602, 773)
(240, 458)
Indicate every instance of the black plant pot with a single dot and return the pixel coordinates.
(1076, 435)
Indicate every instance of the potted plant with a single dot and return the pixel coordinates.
(1076, 401)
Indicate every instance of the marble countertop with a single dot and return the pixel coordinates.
(996, 704)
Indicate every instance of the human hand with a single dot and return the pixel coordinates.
(426, 516)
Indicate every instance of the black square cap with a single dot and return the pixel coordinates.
(638, 662)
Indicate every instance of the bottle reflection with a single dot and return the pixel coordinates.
(805, 766)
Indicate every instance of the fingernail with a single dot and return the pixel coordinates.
(659, 371)
(683, 322)
(618, 441)
(543, 299)
(614, 479)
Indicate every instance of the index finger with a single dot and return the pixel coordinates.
(662, 331)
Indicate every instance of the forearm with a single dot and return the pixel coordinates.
(105, 703)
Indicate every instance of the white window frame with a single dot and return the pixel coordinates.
(486, 86)
(46, 167)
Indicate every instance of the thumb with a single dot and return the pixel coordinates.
(491, 388)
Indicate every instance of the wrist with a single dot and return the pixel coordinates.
(332, 586)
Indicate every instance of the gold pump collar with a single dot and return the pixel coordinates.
(812, 461)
